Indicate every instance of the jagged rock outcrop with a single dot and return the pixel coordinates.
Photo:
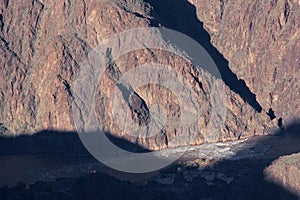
(41, 58)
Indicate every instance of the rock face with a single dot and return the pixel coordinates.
(285, 171)
(40, 59)
(261, 41)
(43, 44)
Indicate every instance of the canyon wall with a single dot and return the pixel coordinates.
(261, 41)
(43, 44)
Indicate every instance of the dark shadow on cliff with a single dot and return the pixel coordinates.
(180, 15)
(43, 142)
(48, 141)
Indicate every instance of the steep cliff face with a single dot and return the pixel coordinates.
(261, 41)
(44, 42)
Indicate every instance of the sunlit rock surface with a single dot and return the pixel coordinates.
(41, 58)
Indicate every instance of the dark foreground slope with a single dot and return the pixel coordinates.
(237, 177)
